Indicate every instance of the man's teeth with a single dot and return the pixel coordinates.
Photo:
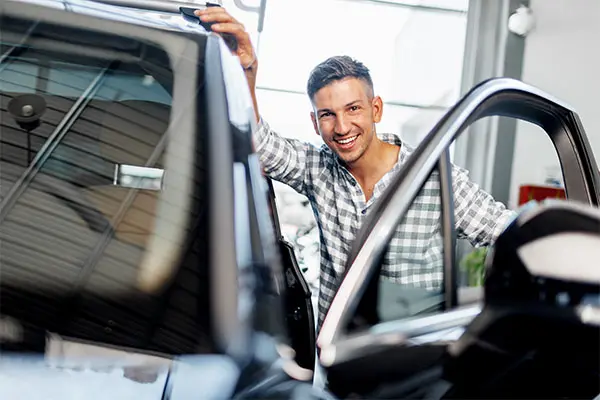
(346, 141)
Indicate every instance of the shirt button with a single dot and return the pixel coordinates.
(364, 211)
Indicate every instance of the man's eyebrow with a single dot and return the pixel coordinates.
(320, 110)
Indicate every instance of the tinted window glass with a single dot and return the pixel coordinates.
(409, 278)
(412, 270)
(83, 145)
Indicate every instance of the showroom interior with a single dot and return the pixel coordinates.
(138, 223)
(424, 55)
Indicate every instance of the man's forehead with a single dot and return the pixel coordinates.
(342, 92)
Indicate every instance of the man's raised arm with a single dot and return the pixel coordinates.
(284, 160)
(479, 218)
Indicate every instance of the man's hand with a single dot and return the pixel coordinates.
(225, 23)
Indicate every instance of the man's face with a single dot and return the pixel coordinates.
(345, 113)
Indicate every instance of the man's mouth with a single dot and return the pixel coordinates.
(347, 143)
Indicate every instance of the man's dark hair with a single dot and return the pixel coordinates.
(335, 69)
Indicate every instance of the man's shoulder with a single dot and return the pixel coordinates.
(327, 157)
(405, 148)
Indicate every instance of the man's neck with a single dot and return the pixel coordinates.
(377, 161)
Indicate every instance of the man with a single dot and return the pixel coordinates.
(343, 178)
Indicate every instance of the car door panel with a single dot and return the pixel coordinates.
(381, 370)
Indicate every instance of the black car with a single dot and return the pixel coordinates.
(134, 211)
(141, 252)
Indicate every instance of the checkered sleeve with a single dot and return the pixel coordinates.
(282, 159)
(479, 218)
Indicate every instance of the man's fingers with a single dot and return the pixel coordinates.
(220, 17)
(224, 23)
(209, 10)
(229, 27)
(215, 14)
(237, 30)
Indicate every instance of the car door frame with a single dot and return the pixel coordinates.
(494, 97)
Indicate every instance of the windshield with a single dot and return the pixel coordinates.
(83, 144)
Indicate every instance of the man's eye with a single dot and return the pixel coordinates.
(354, 108)
(325, 114)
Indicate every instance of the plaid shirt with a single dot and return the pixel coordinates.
(415, 253)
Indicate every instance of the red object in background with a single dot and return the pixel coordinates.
(538, 193)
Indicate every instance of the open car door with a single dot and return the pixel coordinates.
(383, 339)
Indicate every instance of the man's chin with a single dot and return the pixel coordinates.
(349, 157)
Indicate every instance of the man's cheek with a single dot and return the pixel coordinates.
(325, 127)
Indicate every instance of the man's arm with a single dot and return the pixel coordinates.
(283, 159)
(479, 218)
(223, 22)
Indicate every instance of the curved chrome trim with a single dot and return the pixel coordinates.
(448, 231)
(487, 99)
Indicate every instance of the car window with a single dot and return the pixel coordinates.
(408, 276)
(411, 272)
(82, 165)
(121, 123)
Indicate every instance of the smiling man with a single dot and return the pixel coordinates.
(344, 177)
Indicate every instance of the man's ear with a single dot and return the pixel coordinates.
(315, 123)
(377, 105)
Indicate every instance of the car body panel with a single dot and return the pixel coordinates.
(233, 322)
(116, 13)
(117, 378)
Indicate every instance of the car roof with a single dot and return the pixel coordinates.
(154, 19)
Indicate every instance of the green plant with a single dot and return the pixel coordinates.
(474, 264)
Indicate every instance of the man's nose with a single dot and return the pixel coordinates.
(342, 125)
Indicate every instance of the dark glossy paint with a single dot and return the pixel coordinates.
(83, 279)
(189, 375)
(242, 311)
